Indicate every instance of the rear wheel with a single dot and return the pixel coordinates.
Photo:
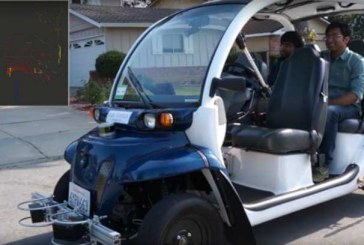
(61, 190)
(181, 219)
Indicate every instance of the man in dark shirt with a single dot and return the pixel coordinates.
(290, 41)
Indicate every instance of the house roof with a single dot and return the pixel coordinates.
(155, 2)
(114, 15)
(261, 26)
(111, 16)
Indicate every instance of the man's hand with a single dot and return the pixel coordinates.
(347, 99)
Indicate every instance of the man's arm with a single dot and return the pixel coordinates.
(357, 85)
(347, 99)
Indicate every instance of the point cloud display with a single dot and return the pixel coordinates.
(34, 53)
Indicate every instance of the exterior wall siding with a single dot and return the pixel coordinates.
(179, 4)
(78, 25)
(84, 34)
(122, 39)
(258, 44)
(203, 47)
(110, 2)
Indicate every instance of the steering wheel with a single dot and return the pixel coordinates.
(240, 69)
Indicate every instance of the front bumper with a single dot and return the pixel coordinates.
(69, 226)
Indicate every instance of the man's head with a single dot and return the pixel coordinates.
(289, 42)
(337, 37)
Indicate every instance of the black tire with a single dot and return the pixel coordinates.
(61, 190)
(181, 216)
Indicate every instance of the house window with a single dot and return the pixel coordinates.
(88, 44)
(173, 43)
(76, 46)
(98, 42)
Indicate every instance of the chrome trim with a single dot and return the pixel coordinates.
(204, 158)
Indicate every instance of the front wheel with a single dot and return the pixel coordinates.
(60, 192)
(181, 219)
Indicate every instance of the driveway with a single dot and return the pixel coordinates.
(39, 134)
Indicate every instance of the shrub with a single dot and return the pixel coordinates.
(233, 55)
(95, 93)
(107, 64)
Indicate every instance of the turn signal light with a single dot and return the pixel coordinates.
(166, 120)
(9, 71)
(91, 112)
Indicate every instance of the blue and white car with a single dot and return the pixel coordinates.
(175, 159)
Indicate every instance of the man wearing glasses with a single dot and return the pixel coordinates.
(346, 86)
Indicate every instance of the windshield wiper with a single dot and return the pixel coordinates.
(139, 89)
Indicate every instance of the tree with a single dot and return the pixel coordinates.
(355, 22)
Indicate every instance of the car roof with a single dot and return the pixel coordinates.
(294, 10)
(304, 9)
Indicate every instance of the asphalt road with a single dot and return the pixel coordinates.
(29, 135)
(39, 134)
(340, 221)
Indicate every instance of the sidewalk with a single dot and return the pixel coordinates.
(39, 133)
(16, 186)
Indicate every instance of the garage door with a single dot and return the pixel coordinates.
(83, 55)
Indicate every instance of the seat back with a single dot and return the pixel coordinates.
(298, 100)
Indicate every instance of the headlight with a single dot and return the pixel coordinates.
(149, 120)
(94, 113)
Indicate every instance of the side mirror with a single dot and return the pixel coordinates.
(233, 83)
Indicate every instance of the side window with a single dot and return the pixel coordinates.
(172, 44)
(76, 46)
(88, 44)
(98, 42)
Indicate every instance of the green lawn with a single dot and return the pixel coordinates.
(188, 90)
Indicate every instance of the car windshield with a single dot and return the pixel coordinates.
(170, 64)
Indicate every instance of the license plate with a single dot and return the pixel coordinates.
(79, 198)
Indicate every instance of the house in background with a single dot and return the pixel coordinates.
(120, 3)
(176, 4)
(96, 28)
(267, 42)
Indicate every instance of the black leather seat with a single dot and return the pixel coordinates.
(297, 109)
(354, 126)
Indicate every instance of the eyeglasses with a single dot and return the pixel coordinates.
(332, 36)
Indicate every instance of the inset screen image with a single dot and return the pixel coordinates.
(34, 53)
